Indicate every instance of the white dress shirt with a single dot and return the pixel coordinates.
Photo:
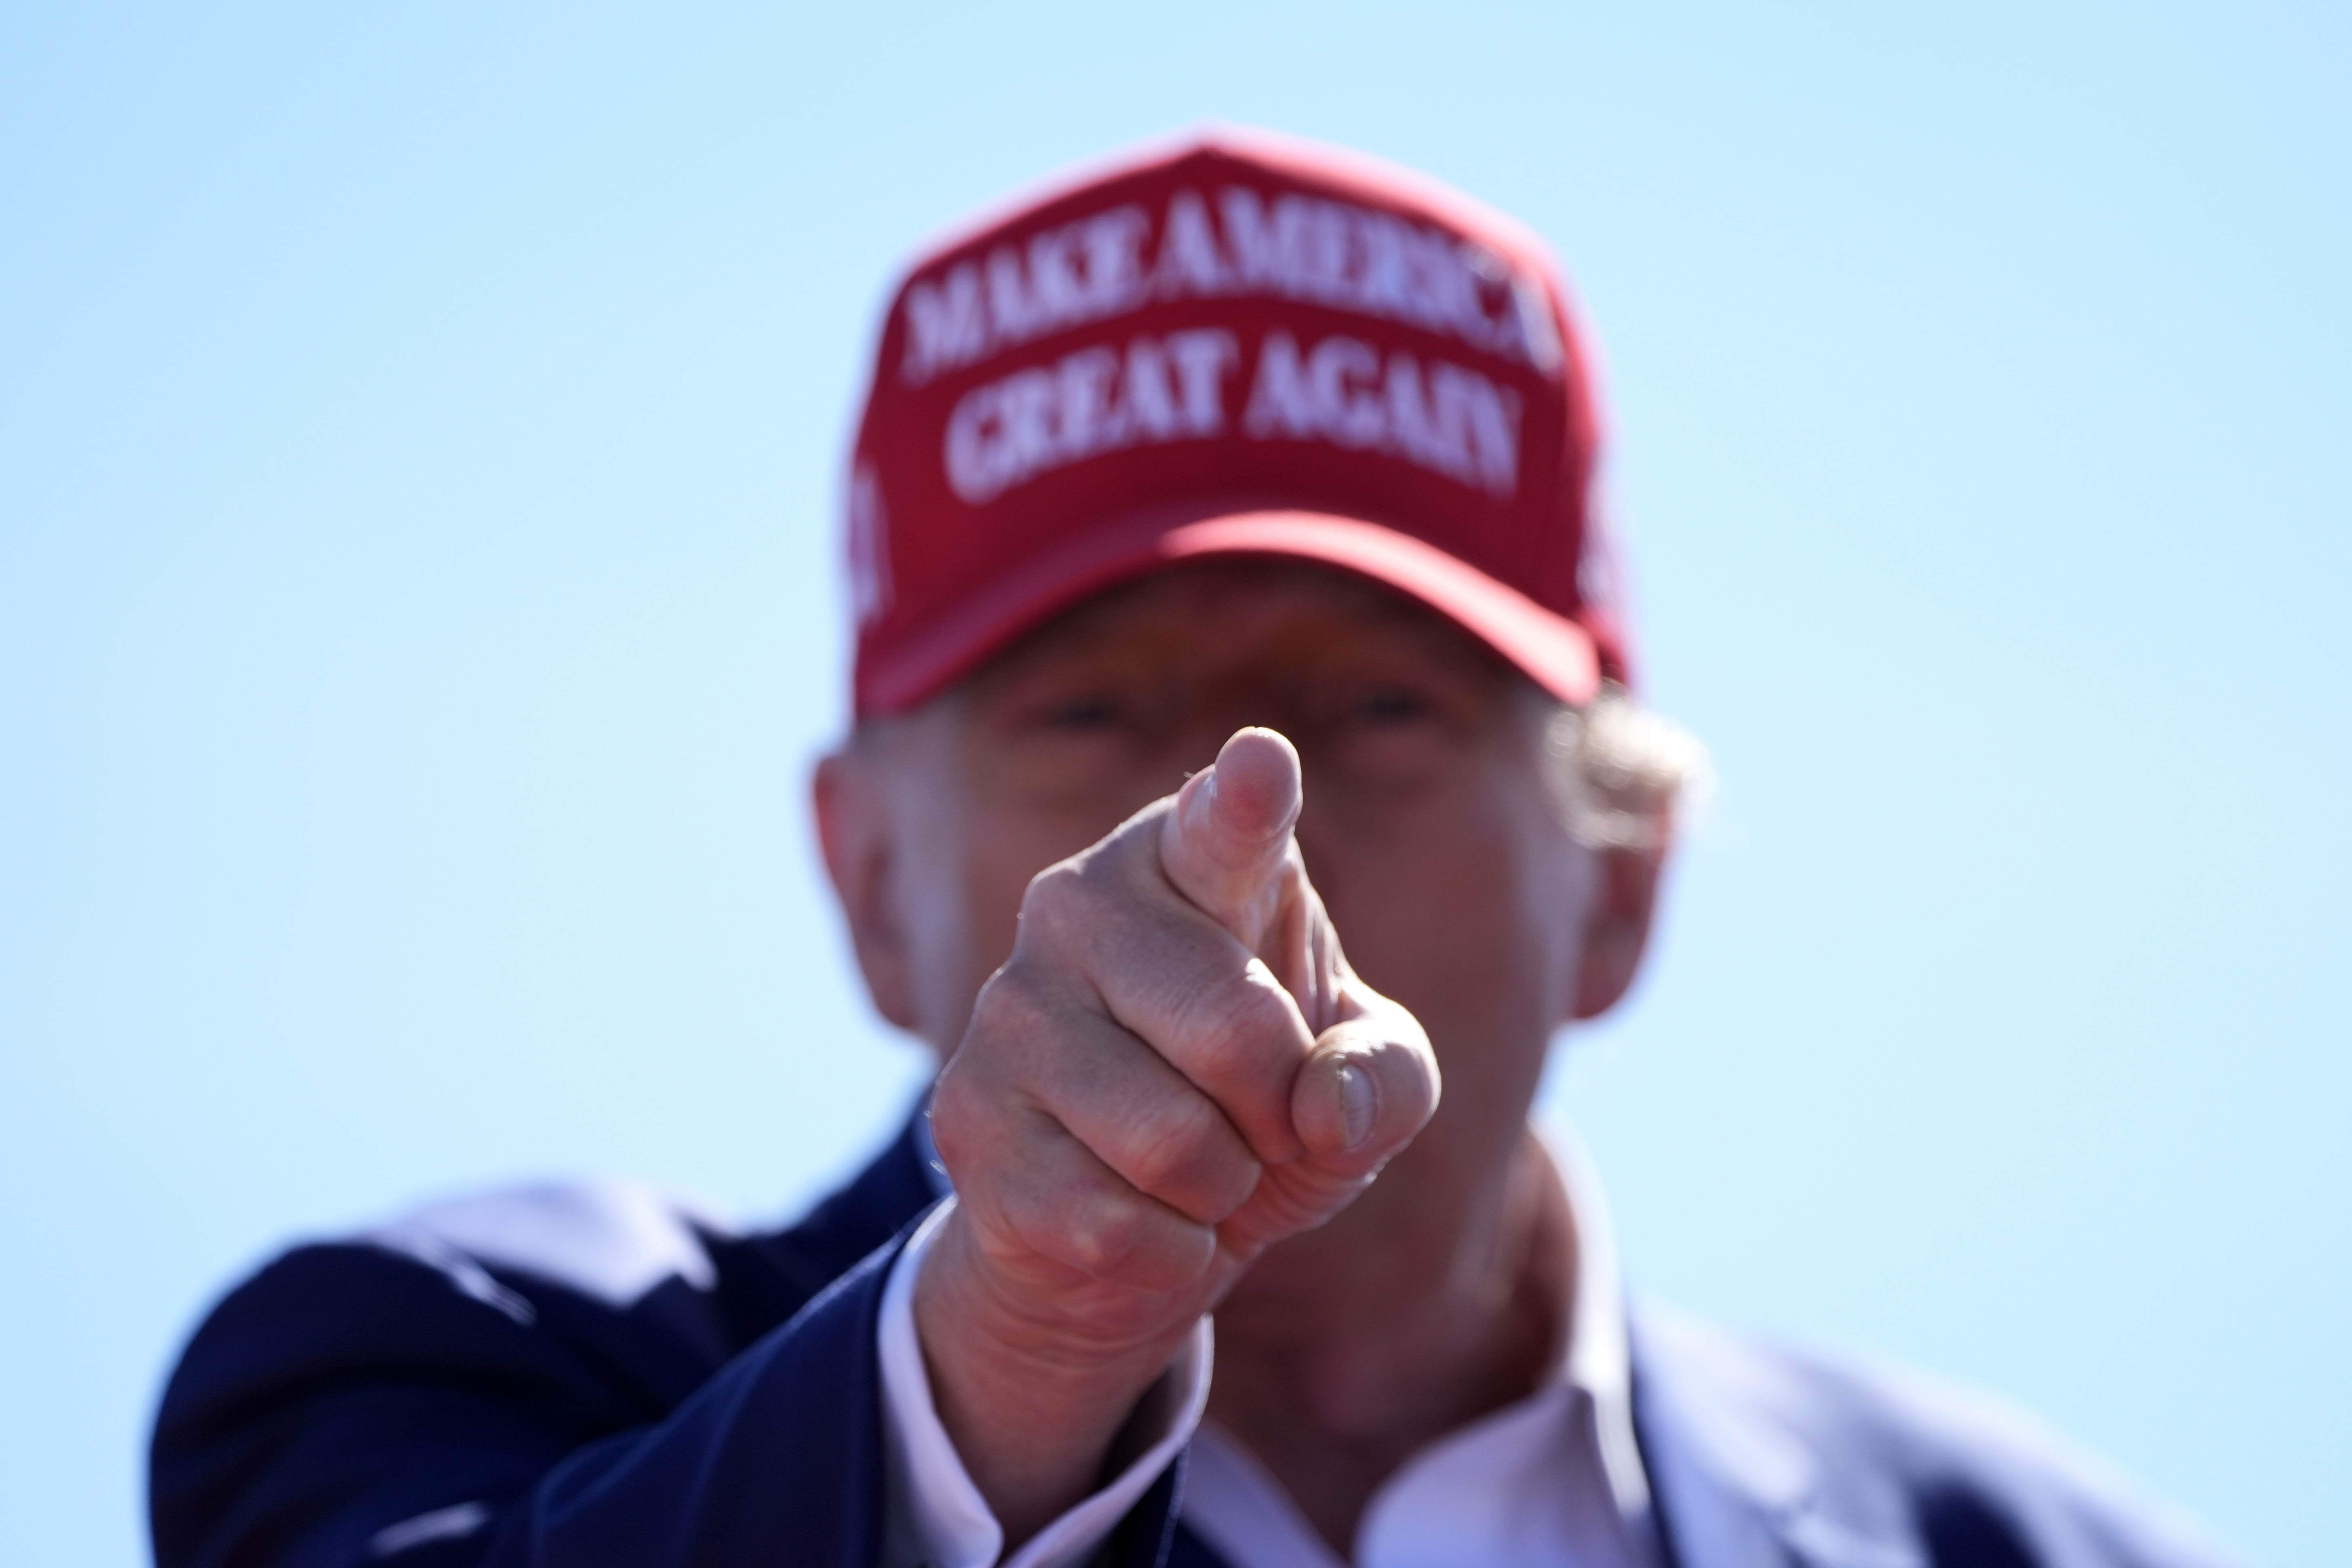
(1553, 1480)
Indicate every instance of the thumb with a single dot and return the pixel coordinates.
(1370, 1085)
(1226, 845)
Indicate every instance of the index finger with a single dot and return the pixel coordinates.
(1228, 847)
(1227, 844)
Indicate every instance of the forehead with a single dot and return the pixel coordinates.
(1271, 615)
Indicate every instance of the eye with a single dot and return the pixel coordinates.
(1089, 713)
(1086, 714)
(1386, 730)
(1393, 705)
(1379, 707)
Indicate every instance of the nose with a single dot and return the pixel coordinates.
(1210, 719)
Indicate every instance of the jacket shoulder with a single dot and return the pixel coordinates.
(593, 1265)
(1858, 1462)
(467, 1348)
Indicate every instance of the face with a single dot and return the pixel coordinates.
(1428, 828)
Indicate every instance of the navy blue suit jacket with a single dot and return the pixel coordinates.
(354, 1403)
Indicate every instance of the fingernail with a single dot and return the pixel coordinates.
(1202, 799)
(1360, 1104)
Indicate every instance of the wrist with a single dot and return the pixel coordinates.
(1032, 1384)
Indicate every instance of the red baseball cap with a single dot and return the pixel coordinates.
(1233, 344)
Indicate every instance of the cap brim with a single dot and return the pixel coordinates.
(1552, 650)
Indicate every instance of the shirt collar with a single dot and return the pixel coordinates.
(1600, 1359)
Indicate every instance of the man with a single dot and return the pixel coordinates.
(1245, 787)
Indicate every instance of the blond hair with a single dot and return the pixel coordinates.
(1623, 774)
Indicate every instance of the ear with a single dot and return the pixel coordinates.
(856, 827)
(1617, 926)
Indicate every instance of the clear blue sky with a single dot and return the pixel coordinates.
(420, 432)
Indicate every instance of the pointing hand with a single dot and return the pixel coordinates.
(1174, 1071)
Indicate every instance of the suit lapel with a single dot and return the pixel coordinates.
(1733, 1485)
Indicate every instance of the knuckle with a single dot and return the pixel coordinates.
(1051, 887)
(1010, 1006)
(953, 1097)
(959, 1092)
(1063, 906)
(970, 1110)
(1230, 1029)
(954, 1132)
(1193, 1161)
(1105, 1235)
(1172, 1141)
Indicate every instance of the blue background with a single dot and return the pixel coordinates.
(420, 434)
